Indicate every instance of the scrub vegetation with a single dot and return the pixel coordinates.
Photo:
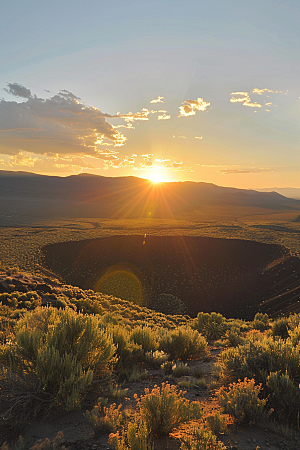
(124, 366)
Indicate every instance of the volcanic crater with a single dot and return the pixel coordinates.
(234, 277)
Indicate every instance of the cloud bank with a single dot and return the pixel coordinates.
(61, 124)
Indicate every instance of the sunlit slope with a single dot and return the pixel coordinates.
(37, 196)
(234, 277)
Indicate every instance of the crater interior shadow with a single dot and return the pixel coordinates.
(234, 277)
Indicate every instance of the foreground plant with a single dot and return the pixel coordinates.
(105, 419)
(53, 359)
(183, 344)
(202, 440)
(242, 401)
(135, 437)
(217, 423)
(164, 408)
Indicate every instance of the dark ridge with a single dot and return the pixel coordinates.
(234, 277)
(85, 195)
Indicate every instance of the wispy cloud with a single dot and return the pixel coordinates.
(190, 107)
(244, 98)
(161, 164)
(264, 91)
(131, 117)
(158, 100)
(164, 116)
(250, 170)
(61, 124)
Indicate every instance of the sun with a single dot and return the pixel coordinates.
(155, 177)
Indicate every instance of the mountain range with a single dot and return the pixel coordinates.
(24, 194)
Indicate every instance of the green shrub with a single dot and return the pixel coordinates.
(201, 384)
(128, 353)
(202, 440)
(210, 325)
(217, 423)
(137, 375)
(261, 321)
(62, 351)
(233, 337)
(259, 358)
(167, 367)
(284, 397)
(164, 408)
(167, 304)
(157, 358)
(183, 344)
(117, 392)
(242, 401)
(145, 337)
(280, 328)
(294, 335)
(29, 300)
(294, 321)
(180, 369)
(136, 437)
(106, 419)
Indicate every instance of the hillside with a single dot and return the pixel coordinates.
(26, 195)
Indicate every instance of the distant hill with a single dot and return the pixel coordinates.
(24, 194)
(287, 192)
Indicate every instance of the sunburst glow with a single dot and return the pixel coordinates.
(155, 177)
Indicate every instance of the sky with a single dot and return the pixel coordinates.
(160, 89)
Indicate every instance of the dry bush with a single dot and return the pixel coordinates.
(164, 408)
(241, 400)
(202, 440)
(217, 423)
(135, 437)
(106, 419)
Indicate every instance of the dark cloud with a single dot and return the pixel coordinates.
(60, 124)
(18, 90)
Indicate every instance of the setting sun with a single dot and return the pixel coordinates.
(155, 177)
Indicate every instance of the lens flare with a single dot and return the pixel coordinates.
(121, 282)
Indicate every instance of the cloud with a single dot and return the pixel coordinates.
(60, 124)
(157, 100)
(263, 91)
(142, 115)
(179, 137)
(198, 137)
(244, 98)
(190, 107)
(251, 170)
(127, 161)
(163, 117)
(18, 90)
(22, 159)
